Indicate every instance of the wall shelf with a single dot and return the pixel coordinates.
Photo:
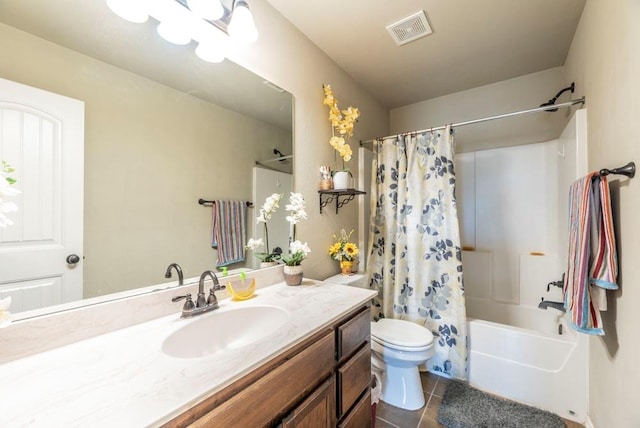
(342, 197)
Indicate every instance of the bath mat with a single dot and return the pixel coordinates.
(465, 407)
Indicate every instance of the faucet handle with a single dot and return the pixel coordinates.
(212, 299)
(188, 304)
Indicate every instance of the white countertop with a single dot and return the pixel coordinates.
(123, 379)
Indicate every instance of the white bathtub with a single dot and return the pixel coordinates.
(527, 360)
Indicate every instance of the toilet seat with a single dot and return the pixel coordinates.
(400, 348)
(401, 335)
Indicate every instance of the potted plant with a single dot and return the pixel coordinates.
(342, 123)
(266, 257)
(344, 251)
(298, 250)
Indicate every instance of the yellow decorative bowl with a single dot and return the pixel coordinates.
(242, 289)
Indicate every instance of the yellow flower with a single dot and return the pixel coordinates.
(342, 124)
(336, 142)
(351, 249)
(334, 249)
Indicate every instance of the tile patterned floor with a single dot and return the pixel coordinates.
(388, 416)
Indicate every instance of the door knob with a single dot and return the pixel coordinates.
(72, 259)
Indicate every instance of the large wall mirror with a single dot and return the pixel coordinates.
(161, 129)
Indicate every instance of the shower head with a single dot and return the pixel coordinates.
(279, 153)
(553, 100)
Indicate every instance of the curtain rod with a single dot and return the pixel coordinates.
(485, 119)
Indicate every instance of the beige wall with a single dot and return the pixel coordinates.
(604, 61)
(150, 153)
(286, 57)
(511, 95)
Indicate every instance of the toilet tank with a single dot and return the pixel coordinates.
(358, 279)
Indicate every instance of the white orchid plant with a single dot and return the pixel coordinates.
(6, 190)
(298, 250)
(270, 206)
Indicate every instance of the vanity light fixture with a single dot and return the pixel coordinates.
(208, 22)
(210, 10)
(134, 11)
(242, 27)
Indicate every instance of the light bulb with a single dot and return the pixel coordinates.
(242, 28)
(210, 52)
(206, 9)
(132, 10)
(173, 33)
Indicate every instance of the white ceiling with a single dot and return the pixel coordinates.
(474, 42)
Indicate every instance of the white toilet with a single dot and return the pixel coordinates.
(398, 348)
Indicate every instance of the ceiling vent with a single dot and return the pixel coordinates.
(410, 28)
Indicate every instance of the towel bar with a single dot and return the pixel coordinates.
(205, 202)
(629, 170)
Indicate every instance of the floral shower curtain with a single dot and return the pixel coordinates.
(415, 260)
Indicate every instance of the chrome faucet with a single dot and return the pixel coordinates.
(202, 304)
(544, 304)
(178, 269)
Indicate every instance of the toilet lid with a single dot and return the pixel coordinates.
(401, 333)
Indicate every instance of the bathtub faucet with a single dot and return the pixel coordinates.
(544, 304)
(559, 284)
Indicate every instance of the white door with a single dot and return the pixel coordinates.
(42, 136)
(265, 183)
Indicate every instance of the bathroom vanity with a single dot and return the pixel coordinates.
(326, 378)
(316, 366)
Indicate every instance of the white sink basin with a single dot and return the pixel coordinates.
(221, 331)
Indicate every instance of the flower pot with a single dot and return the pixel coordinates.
(293, 275)
(341, 180)
(346, 266)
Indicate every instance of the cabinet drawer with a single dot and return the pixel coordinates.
(350, 335)
(276, 392)
(360, 416)
(354, 377)
(318, 410)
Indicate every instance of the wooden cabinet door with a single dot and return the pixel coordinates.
(316, 411)
(354, 377)
(360, 416)
(259, 404)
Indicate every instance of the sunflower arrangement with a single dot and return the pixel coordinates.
(342, 123)
(343, 249)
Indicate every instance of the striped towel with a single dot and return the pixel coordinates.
(592, 263)
(229, 231)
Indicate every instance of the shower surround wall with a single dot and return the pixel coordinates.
(507, 198)
(513, 210)
(513, 202)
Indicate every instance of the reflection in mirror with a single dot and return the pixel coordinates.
(159, 129)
